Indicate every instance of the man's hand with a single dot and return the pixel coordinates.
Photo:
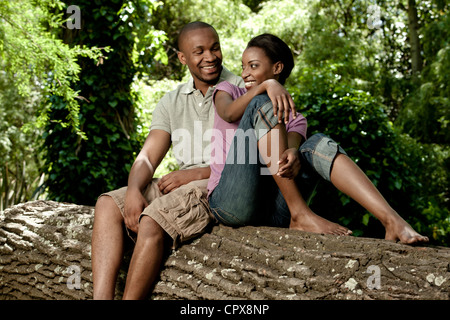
(289, 164)
(175, 179)
(135, 203)
(172, 181)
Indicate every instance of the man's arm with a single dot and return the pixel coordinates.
(155, 148)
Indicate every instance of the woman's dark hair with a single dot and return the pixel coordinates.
(276, 50)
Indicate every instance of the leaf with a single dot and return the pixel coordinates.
(113, 103)
(365, 219)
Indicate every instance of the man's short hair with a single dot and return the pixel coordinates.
(192, 26)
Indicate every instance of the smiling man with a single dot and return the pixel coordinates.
(175, 206)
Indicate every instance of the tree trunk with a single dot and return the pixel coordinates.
(414, 41)
(45, 254)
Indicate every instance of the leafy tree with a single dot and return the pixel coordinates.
(33, 54)
(426, 111)
(34, 64)
(78, 170)
(19, 161)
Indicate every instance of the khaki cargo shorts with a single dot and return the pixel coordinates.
(183, 213)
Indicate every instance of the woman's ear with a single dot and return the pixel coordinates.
(278, 67)
(181, 57)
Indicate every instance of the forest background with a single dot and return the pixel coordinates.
(79, 80)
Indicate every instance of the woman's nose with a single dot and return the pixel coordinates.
(244, 73)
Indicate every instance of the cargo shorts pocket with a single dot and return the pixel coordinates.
(183, 213)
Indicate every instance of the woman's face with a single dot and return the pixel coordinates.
(257, 67)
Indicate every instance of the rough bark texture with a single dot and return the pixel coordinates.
(45, 254)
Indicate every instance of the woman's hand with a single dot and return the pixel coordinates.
(281, 100)
(289, 164)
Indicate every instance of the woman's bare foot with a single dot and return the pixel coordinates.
(398, 229)
(309, 221)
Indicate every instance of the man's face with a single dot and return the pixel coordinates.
(200, 51)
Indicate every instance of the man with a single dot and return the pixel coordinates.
(146, 206)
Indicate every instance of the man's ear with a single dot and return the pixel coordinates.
(278, 67)
(181, 57)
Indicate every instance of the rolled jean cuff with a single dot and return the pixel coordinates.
(264, 119)
(321, 151)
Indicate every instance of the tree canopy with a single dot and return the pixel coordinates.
(79, 83)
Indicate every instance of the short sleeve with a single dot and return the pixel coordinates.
(233, 90)
(160, 117)
(298, 125)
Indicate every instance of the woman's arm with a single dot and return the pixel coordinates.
(232, 110)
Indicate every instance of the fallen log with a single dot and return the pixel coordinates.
(45, 254)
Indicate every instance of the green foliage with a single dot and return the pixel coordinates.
(19, 161)
(33, 54)
(79, 170)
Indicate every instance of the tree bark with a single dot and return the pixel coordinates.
(45, 254)
(414, 41)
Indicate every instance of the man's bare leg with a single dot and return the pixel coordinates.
(107, 247)
(302, 217)
(146, 260)
(351, 180)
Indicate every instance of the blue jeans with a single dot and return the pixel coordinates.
(244, 196)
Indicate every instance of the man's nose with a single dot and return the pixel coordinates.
(210, 56)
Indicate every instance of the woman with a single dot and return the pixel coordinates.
(238, 192)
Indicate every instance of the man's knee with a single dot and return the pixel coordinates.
(150, 230)
(106, 206)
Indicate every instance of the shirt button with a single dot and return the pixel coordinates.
(200, 104)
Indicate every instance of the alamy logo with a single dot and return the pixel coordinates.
(74, 280)
(374, 281)
(74, 21)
